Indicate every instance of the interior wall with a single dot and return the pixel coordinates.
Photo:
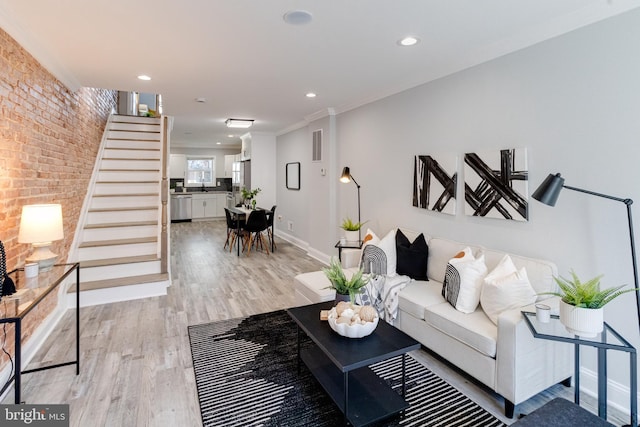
(263, 160)
(49, 138)
(572, 102)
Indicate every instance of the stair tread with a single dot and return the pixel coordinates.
(120, 224)
(118, 261)
(137, 208)
(123, 281)
(131, 159)
(129, 170)
(131, 149)
(126, 182)
(126, 195)
(116, 242)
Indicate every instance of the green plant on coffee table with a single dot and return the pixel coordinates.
(339, 281)
(349, 225)
(586, 294)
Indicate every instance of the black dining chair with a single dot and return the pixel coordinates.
(253, 228)
(232, 229)
(270, 216)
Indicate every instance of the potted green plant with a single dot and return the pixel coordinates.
(582, 304)
(351, 229)
(249, 196)
(346, 289)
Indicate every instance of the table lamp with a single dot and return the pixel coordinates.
(41, 225)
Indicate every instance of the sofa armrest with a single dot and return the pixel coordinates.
(528, 365)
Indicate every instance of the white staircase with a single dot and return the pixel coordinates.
(118, 242)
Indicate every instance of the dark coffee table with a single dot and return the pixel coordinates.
(341, 365)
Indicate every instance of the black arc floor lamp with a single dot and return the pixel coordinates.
(548, 193)
(346, 177)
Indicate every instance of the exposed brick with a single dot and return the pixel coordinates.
(49, 138)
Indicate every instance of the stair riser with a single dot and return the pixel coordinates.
(115, 143)
(119, 118)
(130, 164)
(131, 154)
(115, 233)
(90, 274)
(135, 127)
(115, 251)
(122, 216)
(144, 136)
(130, 176)
(123, 202)
(126, 188)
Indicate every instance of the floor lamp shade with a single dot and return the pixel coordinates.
(549, 190)
(40, 225)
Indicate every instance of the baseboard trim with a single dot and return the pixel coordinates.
(313, 253)
(118, 294)
(618, 395)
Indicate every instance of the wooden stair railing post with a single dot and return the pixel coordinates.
(164, 194)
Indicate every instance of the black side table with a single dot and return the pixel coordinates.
(347, 245)
(608, 339)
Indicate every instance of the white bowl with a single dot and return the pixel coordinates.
(351, 331)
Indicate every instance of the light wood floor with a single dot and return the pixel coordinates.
(136, 365)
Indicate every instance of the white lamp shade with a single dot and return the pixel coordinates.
(41, 223)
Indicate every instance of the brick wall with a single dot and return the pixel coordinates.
(49, 138)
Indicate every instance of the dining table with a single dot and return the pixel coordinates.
(241, 212)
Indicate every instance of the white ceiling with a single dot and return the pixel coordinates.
(248, 63)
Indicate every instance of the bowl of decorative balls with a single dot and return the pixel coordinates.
(353, 321)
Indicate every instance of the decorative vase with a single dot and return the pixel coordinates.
(584, 322)
(351, 236)
(340, 297)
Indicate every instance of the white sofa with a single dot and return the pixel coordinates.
(505, 357)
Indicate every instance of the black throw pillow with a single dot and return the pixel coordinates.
(412, 257)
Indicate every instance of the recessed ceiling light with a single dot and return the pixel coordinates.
(218, 143)
(201, 100)
(408, 41)
(297, 17)
(144, 77)
(310, 95)
(239, 123)
(230, 136)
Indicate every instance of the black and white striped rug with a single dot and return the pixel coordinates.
(246, 375)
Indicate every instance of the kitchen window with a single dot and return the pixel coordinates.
(201, 171)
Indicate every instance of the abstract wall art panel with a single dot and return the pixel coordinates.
(435, 181)
(496, 184)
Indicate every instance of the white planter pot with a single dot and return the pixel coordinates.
(584, 322)
(351, 236)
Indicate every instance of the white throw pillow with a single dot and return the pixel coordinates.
(379, 255)
(505, 293)
(463, 281)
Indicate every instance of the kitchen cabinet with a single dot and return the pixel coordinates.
(228, 165)
(178, 166)
(208, 205)
(246, 147)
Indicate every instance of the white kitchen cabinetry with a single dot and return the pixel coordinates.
(246, 147)
(178, 166)
(221, 203)
(204, 206)
(228, 165)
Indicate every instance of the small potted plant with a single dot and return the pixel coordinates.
(346, 289)
(249, 197)
(582, 304)
(351, 229)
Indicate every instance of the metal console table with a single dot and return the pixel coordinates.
(31, 291)
(608, 339)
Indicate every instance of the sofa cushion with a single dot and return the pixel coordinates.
(315, 286)
(412, 256)
(440, 252)
(473, 329)
(379, 255)
(463, 281)
(419, 294)
(506, 292)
